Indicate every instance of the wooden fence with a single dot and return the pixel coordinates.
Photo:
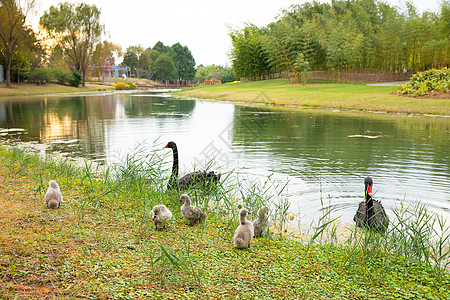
(359, 75)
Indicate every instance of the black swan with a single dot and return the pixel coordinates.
(201, 179)
(370, 212)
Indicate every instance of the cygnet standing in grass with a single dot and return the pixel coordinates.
(161, 216)
(244, 232)
(261, 224)
(53, 196)
(191, 213)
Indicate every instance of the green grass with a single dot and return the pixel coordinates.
(346, 96)
(27, 89)
(102, 244)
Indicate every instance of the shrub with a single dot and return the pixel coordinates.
(125, 85)
(77, 78)
(429, 81)
(62, 76)
(40, 75)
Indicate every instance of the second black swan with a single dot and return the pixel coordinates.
(370, 212)
(201, 179)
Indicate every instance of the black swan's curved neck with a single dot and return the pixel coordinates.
(174, 177)
(369, 203)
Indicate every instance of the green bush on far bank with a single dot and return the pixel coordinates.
(59, 75)
(41, 76)
(423, 83)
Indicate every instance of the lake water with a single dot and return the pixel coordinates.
(320, 154)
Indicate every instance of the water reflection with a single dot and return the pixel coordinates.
(324, 155)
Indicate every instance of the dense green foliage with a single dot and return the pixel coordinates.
(344, 35)
(225, 74)
(130, 60)
(58, 75)
(62, 76)
(18, 43)
(77, 78)
(41, 75)
(427, 82)
(161, 62)
(184, 61)
(77, 30)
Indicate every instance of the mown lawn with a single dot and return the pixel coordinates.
(27, 89)
(346, 96)
(102, 245)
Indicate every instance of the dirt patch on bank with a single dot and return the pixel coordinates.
(431, 95)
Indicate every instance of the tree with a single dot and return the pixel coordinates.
(131, 61)
(138, 50)
(184, 62)
(77, 29)
(164, 67)
(357, 35)
(161, 48)
(13, 29)
(247, 55)
(104, 55)
(225, 74)
(21, 66)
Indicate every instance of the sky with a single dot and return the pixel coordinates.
(201, 25)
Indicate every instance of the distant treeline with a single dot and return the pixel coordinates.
(170, 63)
(160, 62)
(350, 35)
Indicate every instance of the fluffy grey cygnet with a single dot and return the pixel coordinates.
(261, 224)
(161, 216)
(244, 232)
(191, 213)
(53, 196)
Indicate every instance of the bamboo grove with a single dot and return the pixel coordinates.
(348, 36)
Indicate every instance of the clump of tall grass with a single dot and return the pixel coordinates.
(415, 233)
(420, 233)
(179, 261)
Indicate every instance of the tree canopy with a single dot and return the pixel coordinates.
(344, 35)
(77, 29)
(151, 62)
(225, 74)
(14, 32)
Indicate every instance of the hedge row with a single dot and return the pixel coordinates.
(61, 76)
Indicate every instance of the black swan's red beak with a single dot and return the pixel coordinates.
(369, 190)
(166, 146)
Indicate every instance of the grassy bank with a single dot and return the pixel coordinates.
(28, 89)
(356, 96)
(102, 244)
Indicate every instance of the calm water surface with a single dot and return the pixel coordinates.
(319, 153)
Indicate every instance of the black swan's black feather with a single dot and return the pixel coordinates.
(370, 212)
(199, 179)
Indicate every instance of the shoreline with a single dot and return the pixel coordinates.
(102, 244)
(28, 89)
(276, 94)
(333, 96)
